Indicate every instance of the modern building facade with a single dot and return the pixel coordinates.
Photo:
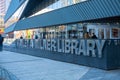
(84, 32)
(2, 6)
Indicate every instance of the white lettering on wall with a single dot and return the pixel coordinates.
(100, 45)
(53, 45)
(90, 48)
(93, 48)
(67, 46)
(74, 45)
(48, 46)
(81, 50)
(58, 46)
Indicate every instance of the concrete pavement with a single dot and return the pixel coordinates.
(26, 67)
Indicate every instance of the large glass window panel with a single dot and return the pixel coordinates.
(107, 33)
(41, 33)
(48, 34)
(119, 33)
(44, 33)
(80, 30)
(115, 32)
(62, 33)
(52, 31)
(72, 31)
(101, 33)
(57, 30)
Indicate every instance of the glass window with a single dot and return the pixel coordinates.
(80, 30)
(62, 32)
(101, 33)
(119, 33)
(56, 31)
(44, 33)
(72, 31)
(41, 33)
(52, 31)
(47, 33)
(107, 33)
(115, 33)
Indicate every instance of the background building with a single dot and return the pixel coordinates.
(2, 13)
(2, 6)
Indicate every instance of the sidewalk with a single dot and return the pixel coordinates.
(26, 67)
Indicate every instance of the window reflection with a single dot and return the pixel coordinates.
(61, 33)
(56, 4)
(80, 30)
(74, 31)
(107, 33)
(101, 33)
(114, 32)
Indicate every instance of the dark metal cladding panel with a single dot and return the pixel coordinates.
(89, 10)
(113, 54)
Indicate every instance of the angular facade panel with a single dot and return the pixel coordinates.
(15, 4)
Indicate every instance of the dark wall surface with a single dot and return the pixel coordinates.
(110, 56)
